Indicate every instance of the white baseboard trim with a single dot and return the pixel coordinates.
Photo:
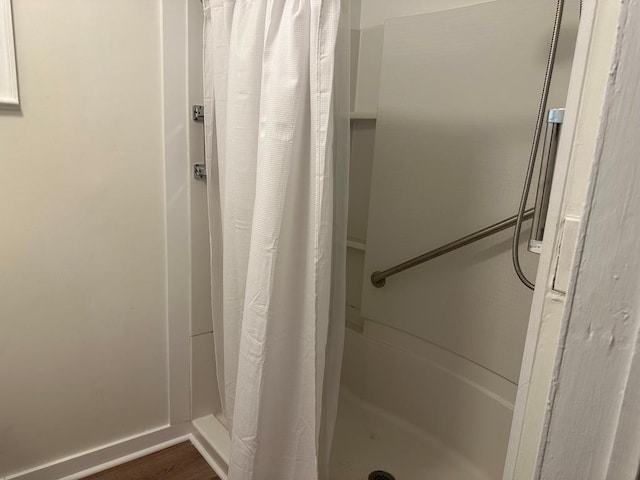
(206, 434)
(110, 455)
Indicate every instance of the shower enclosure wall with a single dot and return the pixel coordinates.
(444, 96)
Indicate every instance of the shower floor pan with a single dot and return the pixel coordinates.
(368, 439)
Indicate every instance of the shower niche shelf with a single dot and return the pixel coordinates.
(356, 244)
(364, 116)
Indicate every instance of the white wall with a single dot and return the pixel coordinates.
(376, 12)
(373, 15)
(83, 330)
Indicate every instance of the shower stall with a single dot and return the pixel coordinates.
(209, 280)
(444, 97)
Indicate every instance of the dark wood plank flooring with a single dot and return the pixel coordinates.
(180, 462)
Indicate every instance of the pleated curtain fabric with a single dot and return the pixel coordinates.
(270, 67)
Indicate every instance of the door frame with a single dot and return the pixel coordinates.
(565, 421)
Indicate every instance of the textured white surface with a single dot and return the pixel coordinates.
(269, 78)
(452, 140)
(83, 321)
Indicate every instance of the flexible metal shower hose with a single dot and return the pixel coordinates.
(515, 253)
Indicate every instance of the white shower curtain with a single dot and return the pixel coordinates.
(277, 214)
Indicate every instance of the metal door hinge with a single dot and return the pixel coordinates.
(197, 113)
(199, 171)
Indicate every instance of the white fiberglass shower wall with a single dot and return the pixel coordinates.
(444, 99)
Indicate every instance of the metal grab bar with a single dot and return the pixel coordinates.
(378, 279)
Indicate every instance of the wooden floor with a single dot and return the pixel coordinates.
(180, 462)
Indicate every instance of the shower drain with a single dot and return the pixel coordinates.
(381, 475)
